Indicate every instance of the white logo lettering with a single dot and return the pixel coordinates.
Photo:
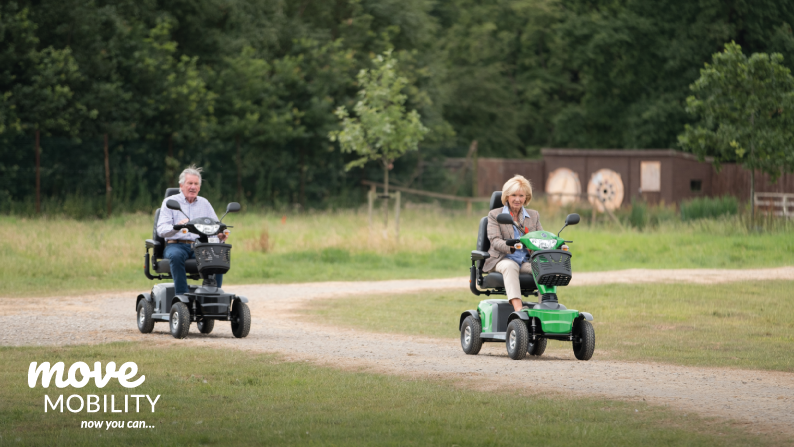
(127, 371)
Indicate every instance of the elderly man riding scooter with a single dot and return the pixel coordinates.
(179, 246)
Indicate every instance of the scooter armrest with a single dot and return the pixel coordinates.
(150, 243)
(477, 255)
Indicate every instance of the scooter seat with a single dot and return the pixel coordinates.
(494, 280)
(164, 266)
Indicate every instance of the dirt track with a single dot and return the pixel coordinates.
(762, 400)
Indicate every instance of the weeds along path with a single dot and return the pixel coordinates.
(761, 400)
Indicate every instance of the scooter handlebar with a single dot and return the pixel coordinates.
(511, 242)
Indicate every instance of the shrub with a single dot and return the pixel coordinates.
(706, 208)
(639, 217)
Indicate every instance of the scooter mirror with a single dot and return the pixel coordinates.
(173, 205)
(572, 219)
(232, 207)
(504, 219)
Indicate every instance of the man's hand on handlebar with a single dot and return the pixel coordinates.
(182, 222)
(222, 237)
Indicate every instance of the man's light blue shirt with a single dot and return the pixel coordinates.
(200, 207)
(520, 256)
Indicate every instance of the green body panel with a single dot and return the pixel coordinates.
(486, 316)
(555, 321)
(541, 235)
(545, 289)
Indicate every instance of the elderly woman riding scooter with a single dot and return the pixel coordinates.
(516, 193)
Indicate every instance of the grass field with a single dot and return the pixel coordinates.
(742, 325)
(65, 256)
(217, 397)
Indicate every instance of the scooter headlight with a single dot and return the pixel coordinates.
(544, 244)
(209, 230)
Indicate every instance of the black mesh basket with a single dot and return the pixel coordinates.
(212, 259)
(552, 268)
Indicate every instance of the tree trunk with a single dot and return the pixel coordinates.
(107, 176)
(38, 176)
(386, 195)
(239, 171)
(752, 171)
(302, 184)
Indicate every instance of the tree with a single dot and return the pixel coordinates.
(36, 85)
(746, 111)
(383, 129)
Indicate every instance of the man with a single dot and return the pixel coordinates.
(179, 246)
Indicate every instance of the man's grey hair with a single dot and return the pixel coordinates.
(190, 170)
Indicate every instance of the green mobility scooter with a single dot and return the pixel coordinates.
(528, 330)
(202, 304)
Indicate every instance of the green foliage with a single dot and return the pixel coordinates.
(249, 89)
(639, 216)
(709, 208)
(746, 111)
(382, 130)
(37, 84)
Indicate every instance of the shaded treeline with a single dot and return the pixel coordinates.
(247, 88)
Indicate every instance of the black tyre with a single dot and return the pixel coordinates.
(517, 339)
(583, 340)
(145, 321)
(180, 320)
(206, 325)
(241, 319)
(537, 347)
(470, 339)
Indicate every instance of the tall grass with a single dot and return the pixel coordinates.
(709, 208)
(62, 255)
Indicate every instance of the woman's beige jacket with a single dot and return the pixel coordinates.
(497, 234)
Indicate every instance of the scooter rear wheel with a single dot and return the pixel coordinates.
(537, 348)
(205, 326)
(145, 321)
(470, 339)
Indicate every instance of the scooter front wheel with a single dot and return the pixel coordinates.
(180, 320)
(583, 340)
(241, 320)
(517, 339)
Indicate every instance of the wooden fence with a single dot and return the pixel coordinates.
(775, 203)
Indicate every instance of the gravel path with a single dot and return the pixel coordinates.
(761, 400)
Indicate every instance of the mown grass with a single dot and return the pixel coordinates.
(741, 325)
(219, 397)
(64, 256)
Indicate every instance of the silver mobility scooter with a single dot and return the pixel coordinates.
(203, 304)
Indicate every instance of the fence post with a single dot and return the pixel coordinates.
(468, 208)
(397, 216)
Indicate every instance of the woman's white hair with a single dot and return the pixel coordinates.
(513, 185)
(190, 170)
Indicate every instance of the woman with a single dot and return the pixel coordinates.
(508, 261)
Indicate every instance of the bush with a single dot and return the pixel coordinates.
(639, 217)
(706, 207)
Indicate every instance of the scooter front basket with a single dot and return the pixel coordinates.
(552, 267)
(212, 259)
